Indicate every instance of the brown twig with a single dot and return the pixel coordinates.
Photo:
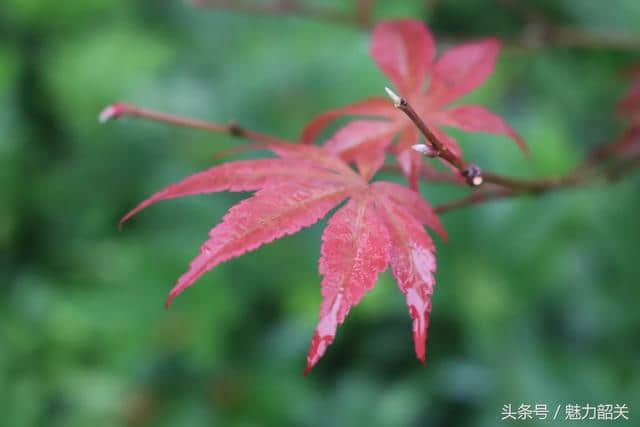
(537, 32)
(591, 173)
(582, 38)
(123, 109)
(364, 13)
(532, 186)
(540, 31)
(510, 186)
(470, 172)
(361, 16)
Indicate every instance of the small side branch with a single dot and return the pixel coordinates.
(531, 186)
(611, 170)
(436, 148)
(602, 163)
(123, 109)
(361, 16)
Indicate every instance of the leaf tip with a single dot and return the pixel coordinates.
(520, 141)
(319, 345)
(133, 212)
(397, 100)
(307, 369)
(419, 308)
(515, 136)
(177, 290)
(124, 219)
(420, 344)
(112, 111)
(169, 300)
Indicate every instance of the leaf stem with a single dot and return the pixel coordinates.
(585, 174)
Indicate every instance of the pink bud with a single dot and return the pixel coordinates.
(113, 111)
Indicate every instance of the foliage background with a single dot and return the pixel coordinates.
(536, 299)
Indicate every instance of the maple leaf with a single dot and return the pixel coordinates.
(405, 52)
(381, 224)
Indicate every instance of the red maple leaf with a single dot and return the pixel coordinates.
(381, 224)
(405, 51)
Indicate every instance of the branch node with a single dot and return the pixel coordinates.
(473, 174)
(236, 130)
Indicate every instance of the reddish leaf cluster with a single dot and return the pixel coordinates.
(382, 223)
(405, 52)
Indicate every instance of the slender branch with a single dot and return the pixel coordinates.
(471, 172)
(538, 32)
(364, 13)
(578, 178)
(123, 109)
(510, 186)
(533, 186)
(619, 169)
(476, 197)
(439, 149)
(583, 38)
(361, 16)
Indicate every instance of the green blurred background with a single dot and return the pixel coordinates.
(537, 299)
